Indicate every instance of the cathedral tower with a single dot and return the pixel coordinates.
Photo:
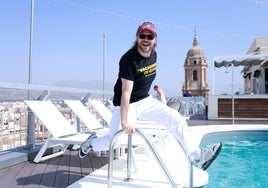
(195, 68)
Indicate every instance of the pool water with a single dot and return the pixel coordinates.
(242, 161)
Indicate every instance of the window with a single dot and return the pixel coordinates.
(257, 73)
(195, 75)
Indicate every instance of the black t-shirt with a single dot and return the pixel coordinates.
(140, 70)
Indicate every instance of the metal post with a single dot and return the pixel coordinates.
(103, 71)
(30, 46)
(213, 75)
(228, 65)
(129, 158)
(232, 93)
(30, 132)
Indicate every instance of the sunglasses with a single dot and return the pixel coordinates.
(149, 37)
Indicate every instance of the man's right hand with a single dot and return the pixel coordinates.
(128, 128)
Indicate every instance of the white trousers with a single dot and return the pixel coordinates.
(150, 109)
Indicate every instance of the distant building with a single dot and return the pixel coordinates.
(195, 67)
(256, 76)
(254, 103)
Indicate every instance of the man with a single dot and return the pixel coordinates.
(160, 94)
(137, 71)
(187, 94)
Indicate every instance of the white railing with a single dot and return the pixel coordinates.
(190, 106)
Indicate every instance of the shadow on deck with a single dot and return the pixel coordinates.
(56, 172)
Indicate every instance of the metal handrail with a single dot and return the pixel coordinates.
(156, 155)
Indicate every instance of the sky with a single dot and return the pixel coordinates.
(68, 40)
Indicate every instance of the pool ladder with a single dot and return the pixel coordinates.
(156, 155)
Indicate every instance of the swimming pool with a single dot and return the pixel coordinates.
(242, 161)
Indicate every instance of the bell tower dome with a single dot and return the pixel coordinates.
(195, 68)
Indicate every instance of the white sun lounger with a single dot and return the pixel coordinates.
(149, 127)
(104, 112)
(86, 116)
(63, 134)
(149, 173)
(88, 119)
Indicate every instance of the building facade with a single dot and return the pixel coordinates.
(195, 67)
(256, 76)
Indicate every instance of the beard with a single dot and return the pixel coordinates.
(145, 48)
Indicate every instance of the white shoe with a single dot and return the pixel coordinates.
(86, 146)
(209, 155)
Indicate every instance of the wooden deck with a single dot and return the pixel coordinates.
(56, 172)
